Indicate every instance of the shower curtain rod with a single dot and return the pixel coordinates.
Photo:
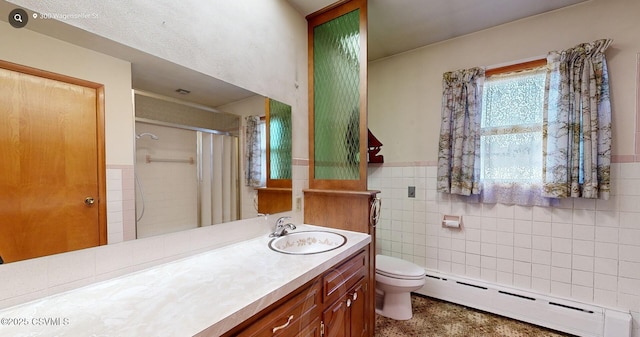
(185, 127)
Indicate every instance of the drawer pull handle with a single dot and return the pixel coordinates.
(283, 325)
(355, 296)
(348, 302)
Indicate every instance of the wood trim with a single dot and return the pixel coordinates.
(102, 165)
(637, 128)
(348, 210)
(100, 133)
(333, 11)
(274, 200)
(342, 192)
(516, 67)
(279, 183)
(310, 92)
(267, 128)
(364, 111)
(314, 20)
(49, 75)
(326, 9)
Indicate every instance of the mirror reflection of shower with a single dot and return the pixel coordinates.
(138, 185)
(185, 178)
(186, 165)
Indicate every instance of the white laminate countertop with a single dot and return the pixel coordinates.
(215, 290)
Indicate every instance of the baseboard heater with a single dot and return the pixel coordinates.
(554, 313)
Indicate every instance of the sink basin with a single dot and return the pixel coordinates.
(307, 242)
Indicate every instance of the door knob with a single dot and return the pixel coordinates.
(89, 201)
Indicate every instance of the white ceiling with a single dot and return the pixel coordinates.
(396, 26)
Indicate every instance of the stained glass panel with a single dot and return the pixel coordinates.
(280, 139)
(336, 50)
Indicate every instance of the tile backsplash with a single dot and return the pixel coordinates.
(585, 250)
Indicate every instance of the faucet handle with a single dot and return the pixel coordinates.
(282, 219)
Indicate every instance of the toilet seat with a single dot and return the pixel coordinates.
(397, 268)
(399, 284)
(399, 277)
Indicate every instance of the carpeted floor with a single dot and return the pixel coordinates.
(432, 317)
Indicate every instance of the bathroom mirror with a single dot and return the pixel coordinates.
(149, 74)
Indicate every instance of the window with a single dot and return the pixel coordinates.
(511, 135)
(494, 146)
(511, 127)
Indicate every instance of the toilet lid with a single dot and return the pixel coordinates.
(398, 268)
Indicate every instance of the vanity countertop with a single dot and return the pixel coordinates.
(215, 290)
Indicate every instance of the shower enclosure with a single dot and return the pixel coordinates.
(186, 176)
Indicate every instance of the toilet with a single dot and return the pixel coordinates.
(395, 280)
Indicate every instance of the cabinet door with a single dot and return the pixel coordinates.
(348, 316)
(358, 314)
(335, 319)
(312, 330)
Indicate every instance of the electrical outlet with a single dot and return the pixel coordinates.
(412, 192)
(298, 204)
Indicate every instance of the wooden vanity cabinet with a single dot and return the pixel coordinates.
(334, 304)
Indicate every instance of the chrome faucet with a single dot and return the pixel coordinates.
(281, 227)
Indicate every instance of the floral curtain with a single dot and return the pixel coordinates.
(253, 153)
(458, 153)
(577, 123)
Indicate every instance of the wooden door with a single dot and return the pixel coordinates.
(51, 161)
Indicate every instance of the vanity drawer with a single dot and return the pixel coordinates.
(339, 279)
(290, 318)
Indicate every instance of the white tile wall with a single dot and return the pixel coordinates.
(115, 209)
(587, 250)
(300, 182)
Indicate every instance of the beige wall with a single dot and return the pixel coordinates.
(258, 45)
(405, 90)
(32, 49)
